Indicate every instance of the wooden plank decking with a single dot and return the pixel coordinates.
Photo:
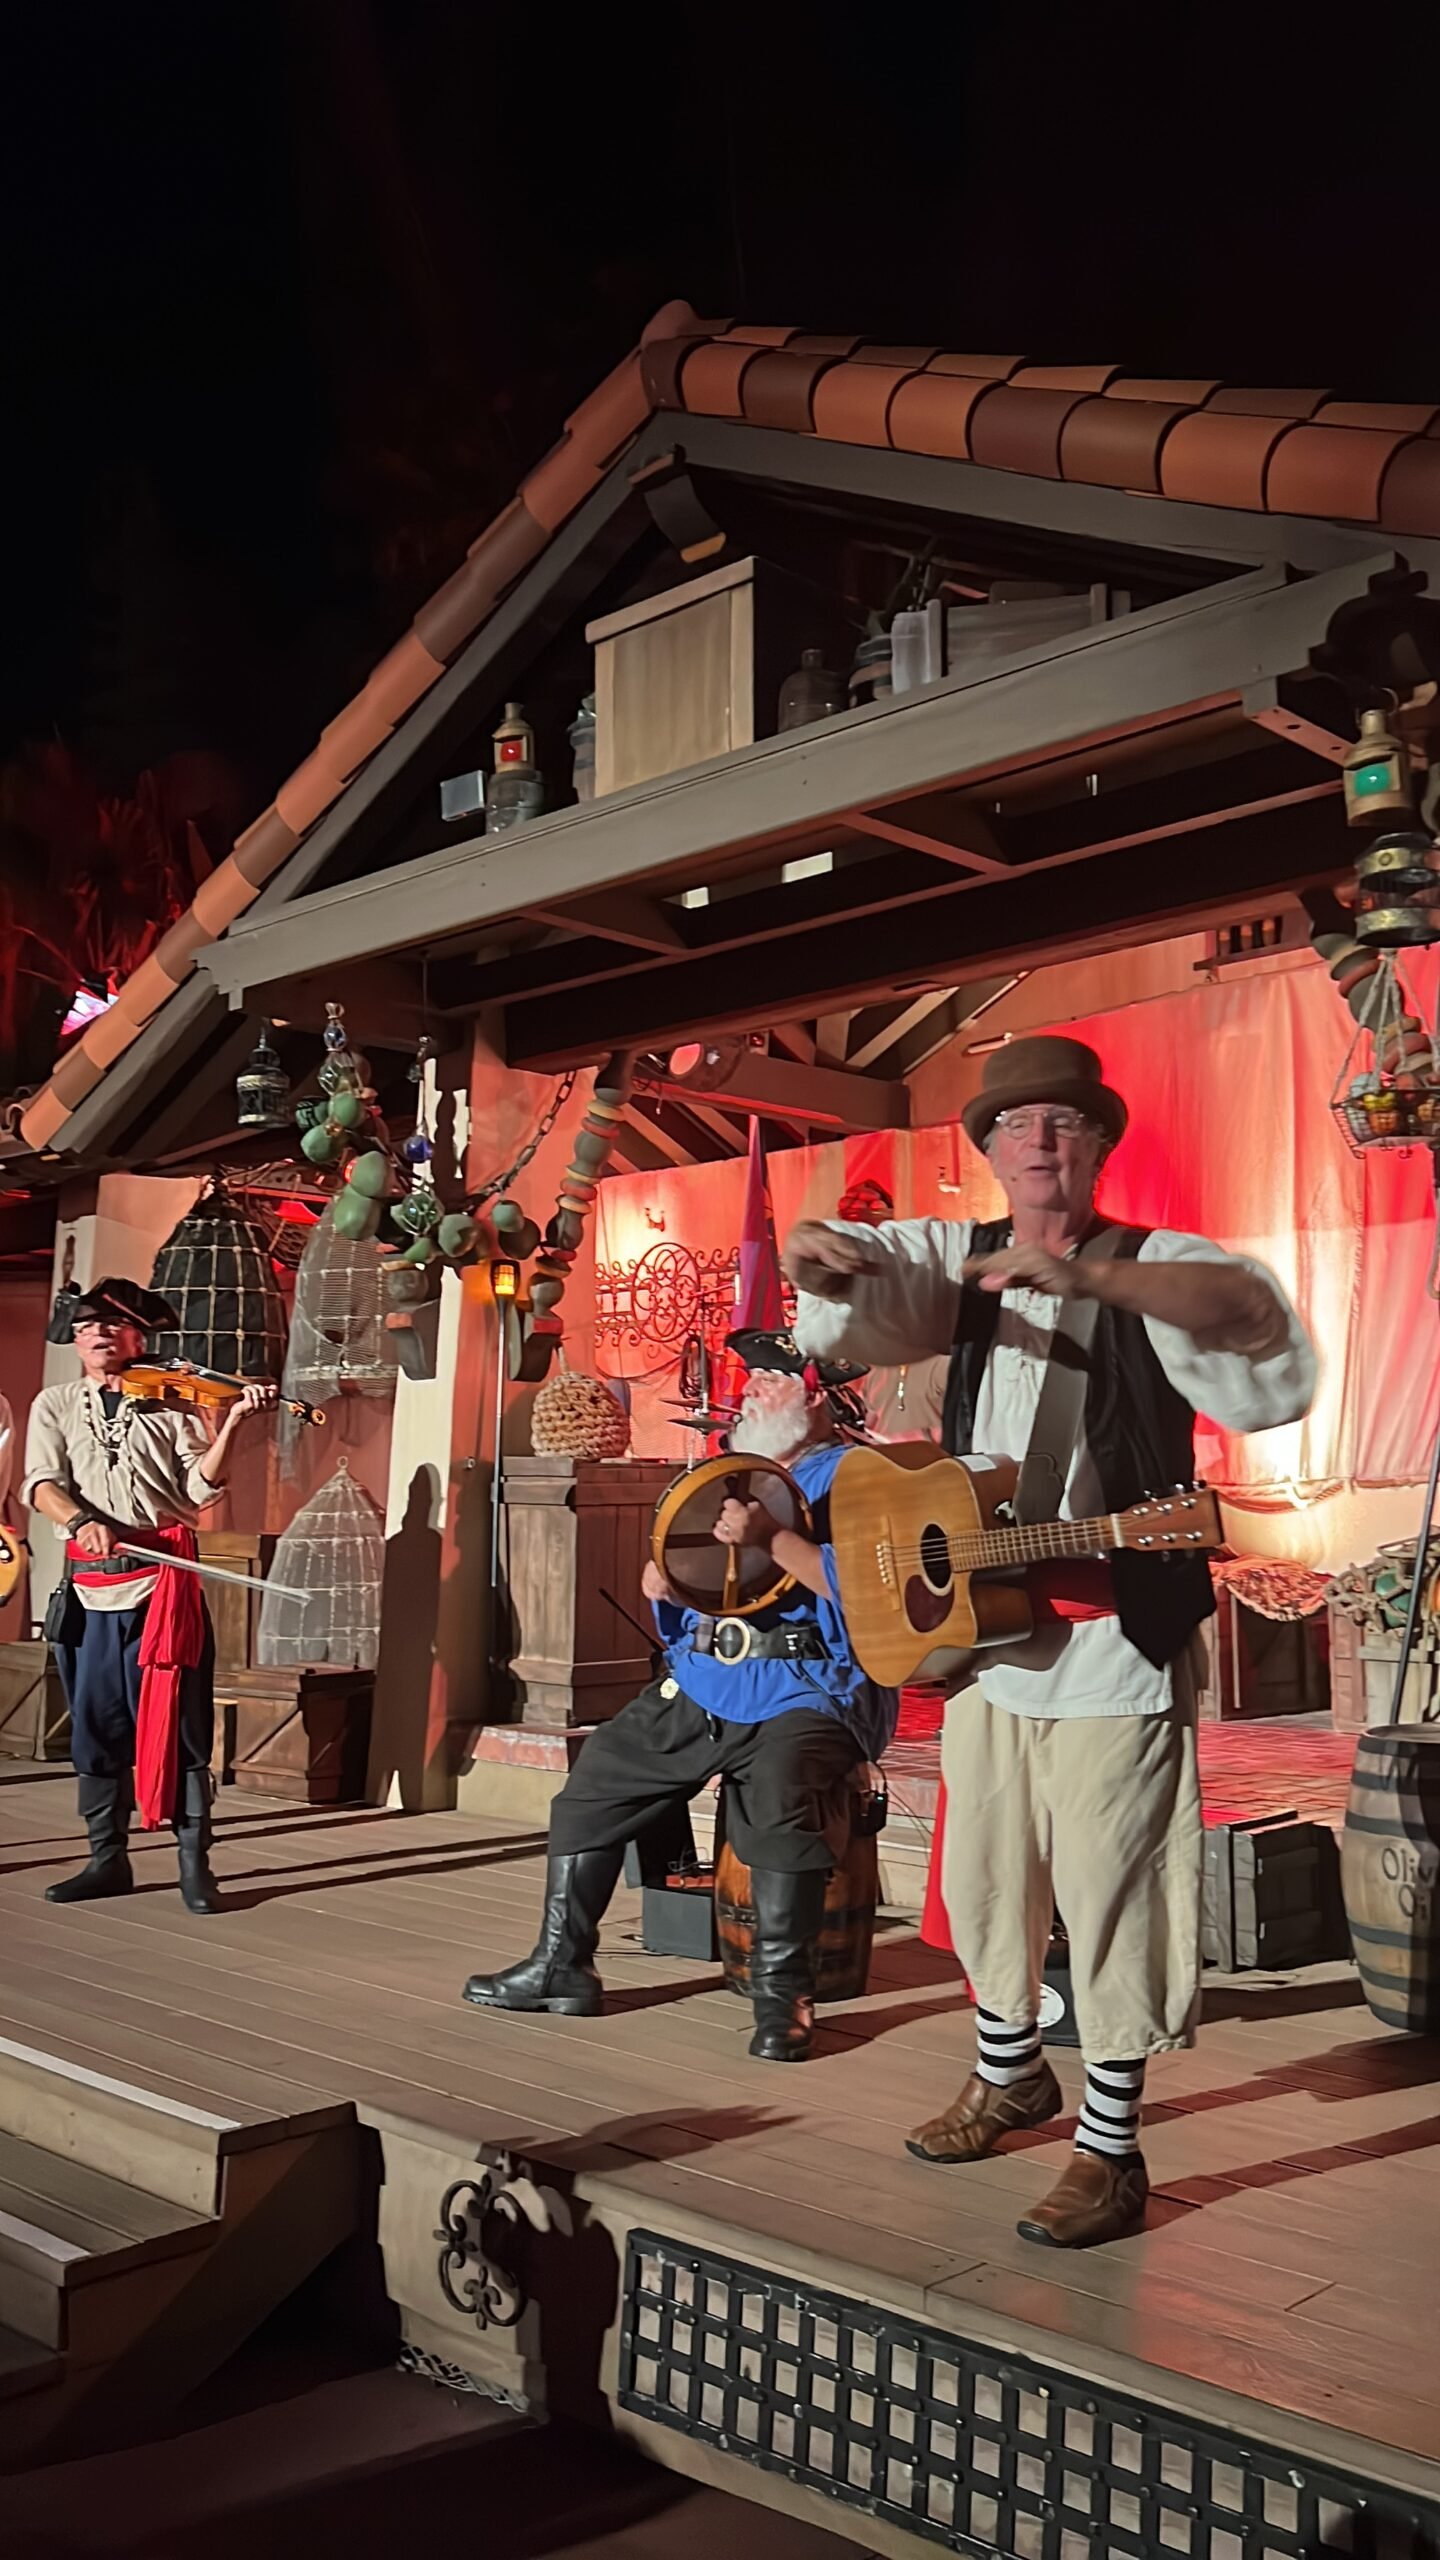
(1294, 2251)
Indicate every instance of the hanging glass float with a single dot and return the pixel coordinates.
(333, 1552)
(217, 1273)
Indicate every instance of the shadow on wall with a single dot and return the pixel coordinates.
(409, 1615)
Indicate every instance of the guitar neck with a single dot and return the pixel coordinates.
(1039, 1542)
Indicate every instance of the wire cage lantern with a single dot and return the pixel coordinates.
(338, 1341)
(1387, 1093)
(333, 1552)
(216, 1271)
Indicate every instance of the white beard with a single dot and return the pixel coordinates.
(780, 1433)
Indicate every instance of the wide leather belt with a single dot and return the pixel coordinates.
(736, 1640)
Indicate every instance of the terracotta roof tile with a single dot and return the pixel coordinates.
(662, 365)
(77, 1075)
(931, 413)
(1410, 490)
(977, 368)
(1116, 444)
(1065, 377)
(1019, 430)
(1300, 452)
(176, 949)
(759, 337)
(777, 387)
(903, 359)
(1212, 461)
(808, 342)
(1330, 471)
(1415, 416)
(223, 897)
(490, 567)
(144, 992)
(306, 794)
(1231, 402)
(710, 383)
(258, 854)
(1190, 393)
(852, 402)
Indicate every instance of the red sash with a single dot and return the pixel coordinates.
(172, 1641)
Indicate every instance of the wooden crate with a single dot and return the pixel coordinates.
(1347, 1673)
(697, 671)
(1257, 1666)
(303, 1733)
(235, 1614)
(34, 1719)
(575, 1537)
(1271, 1896)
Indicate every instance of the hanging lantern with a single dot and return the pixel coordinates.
(217, 1273)
(262, 1088)
(1376, 774)
(517, 792)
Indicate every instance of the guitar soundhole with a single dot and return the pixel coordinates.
(929, 1592)
(935, 1558)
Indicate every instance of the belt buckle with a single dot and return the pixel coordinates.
(733, 1639)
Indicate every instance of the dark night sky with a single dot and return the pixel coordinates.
(296, 292)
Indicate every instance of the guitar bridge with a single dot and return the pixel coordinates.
(885, 1561)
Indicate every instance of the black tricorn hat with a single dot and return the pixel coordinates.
(781, 1351)
(111, 1302)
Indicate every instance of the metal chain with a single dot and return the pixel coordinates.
(502, 1181)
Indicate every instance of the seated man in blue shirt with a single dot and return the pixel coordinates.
(787, 1721)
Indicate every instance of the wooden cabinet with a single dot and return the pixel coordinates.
(575, 1537)
(696, 671)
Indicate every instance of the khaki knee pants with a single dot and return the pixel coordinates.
(1100, 1815)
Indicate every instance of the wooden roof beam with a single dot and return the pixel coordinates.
(819, 1096)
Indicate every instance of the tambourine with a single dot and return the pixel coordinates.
(731, 1582)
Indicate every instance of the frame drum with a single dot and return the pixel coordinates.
(729, 1581)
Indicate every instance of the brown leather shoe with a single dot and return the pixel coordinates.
(1097, 2199)
(977, 2119)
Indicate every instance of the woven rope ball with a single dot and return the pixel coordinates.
(577, 1417)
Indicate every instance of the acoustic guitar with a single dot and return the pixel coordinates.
(919, 1536)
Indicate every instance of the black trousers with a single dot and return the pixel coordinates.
(783, 1779)
(98, 1659)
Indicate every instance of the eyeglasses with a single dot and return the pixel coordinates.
(1023, 1124)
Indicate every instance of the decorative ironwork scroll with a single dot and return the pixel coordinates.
(655, 1301)
(473, 2277)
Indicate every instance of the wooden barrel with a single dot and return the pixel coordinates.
(1390, 1874)
(842, 1965)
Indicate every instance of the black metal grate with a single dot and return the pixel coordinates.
(982, 2453)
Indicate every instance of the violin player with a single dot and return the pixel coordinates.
(133, 1642)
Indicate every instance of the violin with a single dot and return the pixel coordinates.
(210, 1390)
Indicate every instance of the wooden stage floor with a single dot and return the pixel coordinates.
(1293, 2257)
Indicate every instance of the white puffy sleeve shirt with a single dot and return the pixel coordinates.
(907, 1309)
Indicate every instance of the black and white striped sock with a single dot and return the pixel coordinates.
(1006, 2053)
(1110, 2114)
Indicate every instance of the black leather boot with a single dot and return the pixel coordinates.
(198, 1889)
(560, 1975)
(789, 1911)
(106, 1805)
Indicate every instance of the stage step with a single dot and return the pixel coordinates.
(143, 2238)
(84, 2259)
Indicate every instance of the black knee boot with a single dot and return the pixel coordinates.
(560, 1975)
(198, 1889)
(106, 1805)
(789, 1912)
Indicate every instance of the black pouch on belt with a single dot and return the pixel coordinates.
(64, 1609)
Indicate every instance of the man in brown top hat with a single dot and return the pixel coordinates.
(1069, 1762)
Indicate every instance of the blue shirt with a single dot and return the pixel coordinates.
(751, 1692)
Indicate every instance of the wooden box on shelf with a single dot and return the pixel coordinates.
(302, 1732)
(576, 1534)
(697, 671)
(34, 1719)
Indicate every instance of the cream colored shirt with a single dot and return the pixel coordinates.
(908, 1307)
(140, 1469)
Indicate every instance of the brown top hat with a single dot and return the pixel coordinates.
(1044, 1069)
